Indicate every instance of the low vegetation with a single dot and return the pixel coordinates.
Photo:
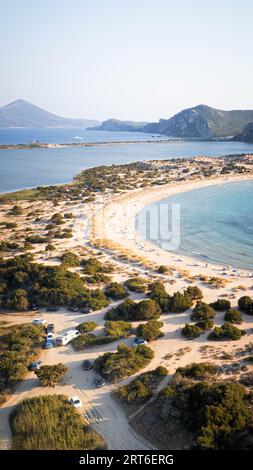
(50, 422)
(221, 305)
(233, 316)
(226, 332)
(134, 311)
(136, 284)
(19, 345)
(121, 329)
(126, 361)
(191, 331)
(141, 389)
(245, 304)
(197, 371)
(88, 340)
(51, 375)
(116, 291)
(150, 330)
(87, 326)
(202, 311)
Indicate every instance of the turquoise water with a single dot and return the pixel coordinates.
(37, 167)
(216, 223)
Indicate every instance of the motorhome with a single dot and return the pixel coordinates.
(66, 337)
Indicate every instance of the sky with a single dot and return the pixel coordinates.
(136, 59)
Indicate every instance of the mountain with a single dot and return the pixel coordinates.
(117, 125)
(246, 135)
(202, 122)
(21, 113)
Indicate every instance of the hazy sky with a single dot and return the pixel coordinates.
(129, 59)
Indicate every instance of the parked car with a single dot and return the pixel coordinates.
(76, 402)
(48, 344)
(35, 365)
(99, 382)
(52, 308)
(50, 328)
(39, 321)
(87, 365)
(86, 310)
(34, 307)
(49, 336)
(73, 308)
(139, 341)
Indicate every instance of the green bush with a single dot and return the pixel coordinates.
(226, 332)
(116, 291)
(191, 331)
(233, 316)
(134, 311)
(87, 326)
(197, 371)
(136, 284)
(122, 329)
(140, 390)
(202, 311)
(221, 305)
(92, 266)
(70, 259)
(245, 304)
(19, 345)
(50, 375)
(150, 330)
(88, 340)
(179, 303)
(205, 324)
(162, 269)
(194, 292)
(126, 361)
(158, 293)
(51, 423)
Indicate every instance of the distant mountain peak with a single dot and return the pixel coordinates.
(22, 113)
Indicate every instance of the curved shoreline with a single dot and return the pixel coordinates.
(117, 221)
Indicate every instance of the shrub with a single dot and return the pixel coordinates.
(233, 316)
(50, 422)
(19, 345)
(162, 269)
(194, 292)
(221, 305)
(158, 293)
(49, 376)
(116, 291)
(88, 340)
(35, 239)
(50, 247)
(136, 284)
(179, 302)
(202, 311)
(70, 259)
(245, 304)
(122, 329)
(87, 326)
(205, 324)
(197, 371)
(134, 311)
(141, 389)
(226, 332)
(93, 265)
(126, 361)
(97, 278)
(191, 331)
(150, 330)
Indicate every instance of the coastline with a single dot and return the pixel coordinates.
(111, 226)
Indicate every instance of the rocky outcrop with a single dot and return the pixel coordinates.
(246, 135)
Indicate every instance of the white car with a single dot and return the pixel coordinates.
(76, 402)
(39, 321)
(49, 336)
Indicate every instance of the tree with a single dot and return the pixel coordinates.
(70, 259)
(150, 330)
(191, 331)
(134, 311)
(221, 305)
(116, 291)
(179, 302)
(226, 332)
(245, 304)
(136, 284)
(158, 293)
(202, 311)
(233, 316)
(49, 376)
(194, 292)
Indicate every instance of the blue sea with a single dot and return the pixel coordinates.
(216, 223)
(37, 167)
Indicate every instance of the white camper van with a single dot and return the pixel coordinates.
(66, 337)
